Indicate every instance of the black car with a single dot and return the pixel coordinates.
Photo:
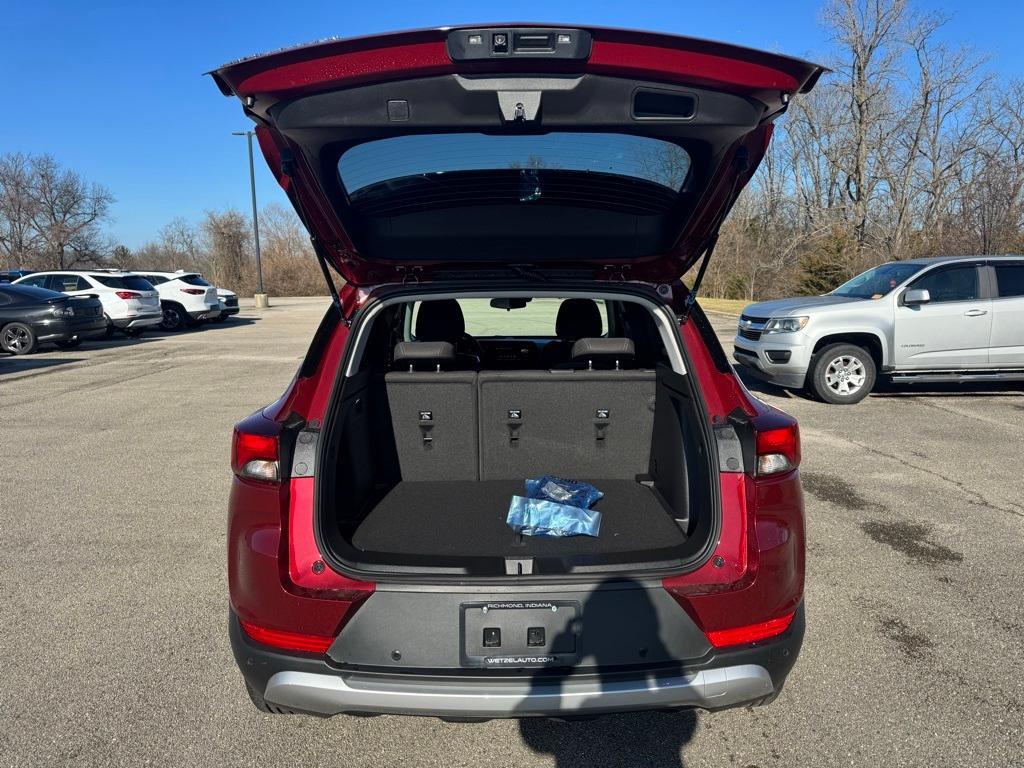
(10, 275)
(30, 316)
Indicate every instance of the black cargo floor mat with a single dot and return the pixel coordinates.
(467, 518)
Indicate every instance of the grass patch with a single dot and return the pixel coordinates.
(729, 306)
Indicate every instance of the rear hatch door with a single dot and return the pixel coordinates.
(473, 152)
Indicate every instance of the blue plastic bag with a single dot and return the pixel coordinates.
(540, 517)
(572, 492)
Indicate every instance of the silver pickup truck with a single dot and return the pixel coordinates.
(939, 319)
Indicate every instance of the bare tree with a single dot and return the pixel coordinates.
(19, 241)
(868, 33)
(227, 246)
(66, 214)
(289, 264)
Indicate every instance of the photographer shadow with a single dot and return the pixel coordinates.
(654, 739)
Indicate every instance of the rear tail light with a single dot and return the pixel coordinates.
(291, 641)
(128, 295)
(750, 633)
(778, 449)
(193, 291)
(62, 312)
(255, 457)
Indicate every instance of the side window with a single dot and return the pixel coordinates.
(65, 283)
(39, 281)
(1010, 279)
(952, 284)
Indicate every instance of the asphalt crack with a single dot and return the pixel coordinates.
(975, 497)
(908, 537)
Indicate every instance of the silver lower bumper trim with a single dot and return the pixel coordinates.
(783, 377)
(139, 321)
(336, 694)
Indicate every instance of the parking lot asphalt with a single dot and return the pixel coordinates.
(113, 594)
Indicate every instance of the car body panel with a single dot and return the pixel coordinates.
(972, 334)
(309, 100)
(757, 565)
(141, 311)
(945, 335)
(1006, 348)
(403, 642)
(173, 287)
(227, 302)
(34, 307)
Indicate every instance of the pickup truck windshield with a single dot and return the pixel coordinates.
(877, 282)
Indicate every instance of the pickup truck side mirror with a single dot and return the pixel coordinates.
(916, 296)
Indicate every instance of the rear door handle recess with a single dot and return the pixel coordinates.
(975, 312)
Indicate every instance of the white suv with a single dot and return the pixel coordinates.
(130, 303)
(185, 298)
(228, 304)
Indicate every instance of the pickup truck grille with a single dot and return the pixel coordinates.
(751, 327)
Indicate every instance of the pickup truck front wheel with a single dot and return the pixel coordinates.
(842, 374)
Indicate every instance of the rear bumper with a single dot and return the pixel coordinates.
(65, 330)
(736, 677)
(333, 695)
(137, 321)
(207, 313)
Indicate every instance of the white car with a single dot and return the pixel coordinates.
(185, 298)
(228, 304)
(130, 302)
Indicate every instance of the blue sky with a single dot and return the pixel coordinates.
(115, 90)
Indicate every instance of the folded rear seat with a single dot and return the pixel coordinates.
(585, 423)
(433, 413)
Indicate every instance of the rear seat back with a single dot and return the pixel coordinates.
(587, 424)
(433, 414)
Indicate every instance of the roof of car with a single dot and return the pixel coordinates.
(178, 273)
(87, 272)
(928, 261)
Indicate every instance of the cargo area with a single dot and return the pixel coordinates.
(425, 458)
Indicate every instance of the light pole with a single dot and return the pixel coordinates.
(261, 297)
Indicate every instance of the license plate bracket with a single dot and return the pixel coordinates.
(519, 625)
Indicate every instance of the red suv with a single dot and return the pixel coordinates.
(511, 209)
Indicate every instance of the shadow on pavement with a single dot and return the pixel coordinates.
(11, 364)
(651, 739)
(885, 389)
(50, 356)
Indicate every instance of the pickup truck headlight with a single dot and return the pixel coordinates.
(785, 324)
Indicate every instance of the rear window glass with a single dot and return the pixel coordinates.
(22, 292)
(128, 282)
(1010, 278)
(156, 279)
(193, 280)
(638, 157)
(535, 320)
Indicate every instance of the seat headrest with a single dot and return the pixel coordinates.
(577, 319)
(603, 349)
(424, 352)
(440, 320)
